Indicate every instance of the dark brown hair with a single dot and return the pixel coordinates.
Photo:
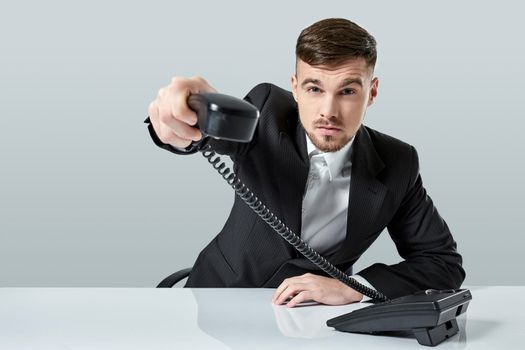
(332, 41)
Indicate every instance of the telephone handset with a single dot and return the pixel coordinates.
(224, 117)
(430, 315)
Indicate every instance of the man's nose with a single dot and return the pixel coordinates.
(329, 107)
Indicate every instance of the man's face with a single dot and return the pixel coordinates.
(332, 101)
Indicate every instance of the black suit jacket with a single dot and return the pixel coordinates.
(386, 191)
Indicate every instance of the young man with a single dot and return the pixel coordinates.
(330, 178)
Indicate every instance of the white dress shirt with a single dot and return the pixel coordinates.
(325, 201)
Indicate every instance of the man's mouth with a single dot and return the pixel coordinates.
(328, 130)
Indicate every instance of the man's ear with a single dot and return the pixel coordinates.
(294, 86)
(373, 91)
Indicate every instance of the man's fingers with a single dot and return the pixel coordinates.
(153, 113)
(279, 290)
(152, 110)
(290, 281)
(167, 115)
(181, 110)
(168, 136)
(184, 131)
(170, 115)
(181, 89)
(169, 125)
(290, 291)
(187, 132)
(282, 287)
(299, 298)
(180, 137)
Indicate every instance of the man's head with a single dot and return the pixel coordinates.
(333, 82)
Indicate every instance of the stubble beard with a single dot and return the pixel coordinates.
(327, 143)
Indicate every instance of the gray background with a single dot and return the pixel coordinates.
(87, 200)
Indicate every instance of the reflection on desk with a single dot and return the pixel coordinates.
(139, 318)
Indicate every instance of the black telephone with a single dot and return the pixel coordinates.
(429, 315)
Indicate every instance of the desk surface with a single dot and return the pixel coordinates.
(141, 318)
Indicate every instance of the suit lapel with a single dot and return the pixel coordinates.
(365, 199)
(292, 176)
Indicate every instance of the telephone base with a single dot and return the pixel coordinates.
(435, 335)
(429, 315)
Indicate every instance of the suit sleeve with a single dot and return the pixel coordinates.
(424, 241)
(257, 97)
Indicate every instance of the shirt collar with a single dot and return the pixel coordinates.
(336, 161)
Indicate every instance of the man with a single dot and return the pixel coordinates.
(331, 179)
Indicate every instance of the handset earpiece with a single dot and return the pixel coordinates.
(224, 117)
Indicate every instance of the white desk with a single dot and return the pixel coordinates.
(140, 318)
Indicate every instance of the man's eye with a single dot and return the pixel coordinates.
(348, 92)
(313, 89)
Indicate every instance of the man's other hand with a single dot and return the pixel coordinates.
(310, 287)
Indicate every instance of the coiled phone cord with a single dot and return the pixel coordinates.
(264, 213)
